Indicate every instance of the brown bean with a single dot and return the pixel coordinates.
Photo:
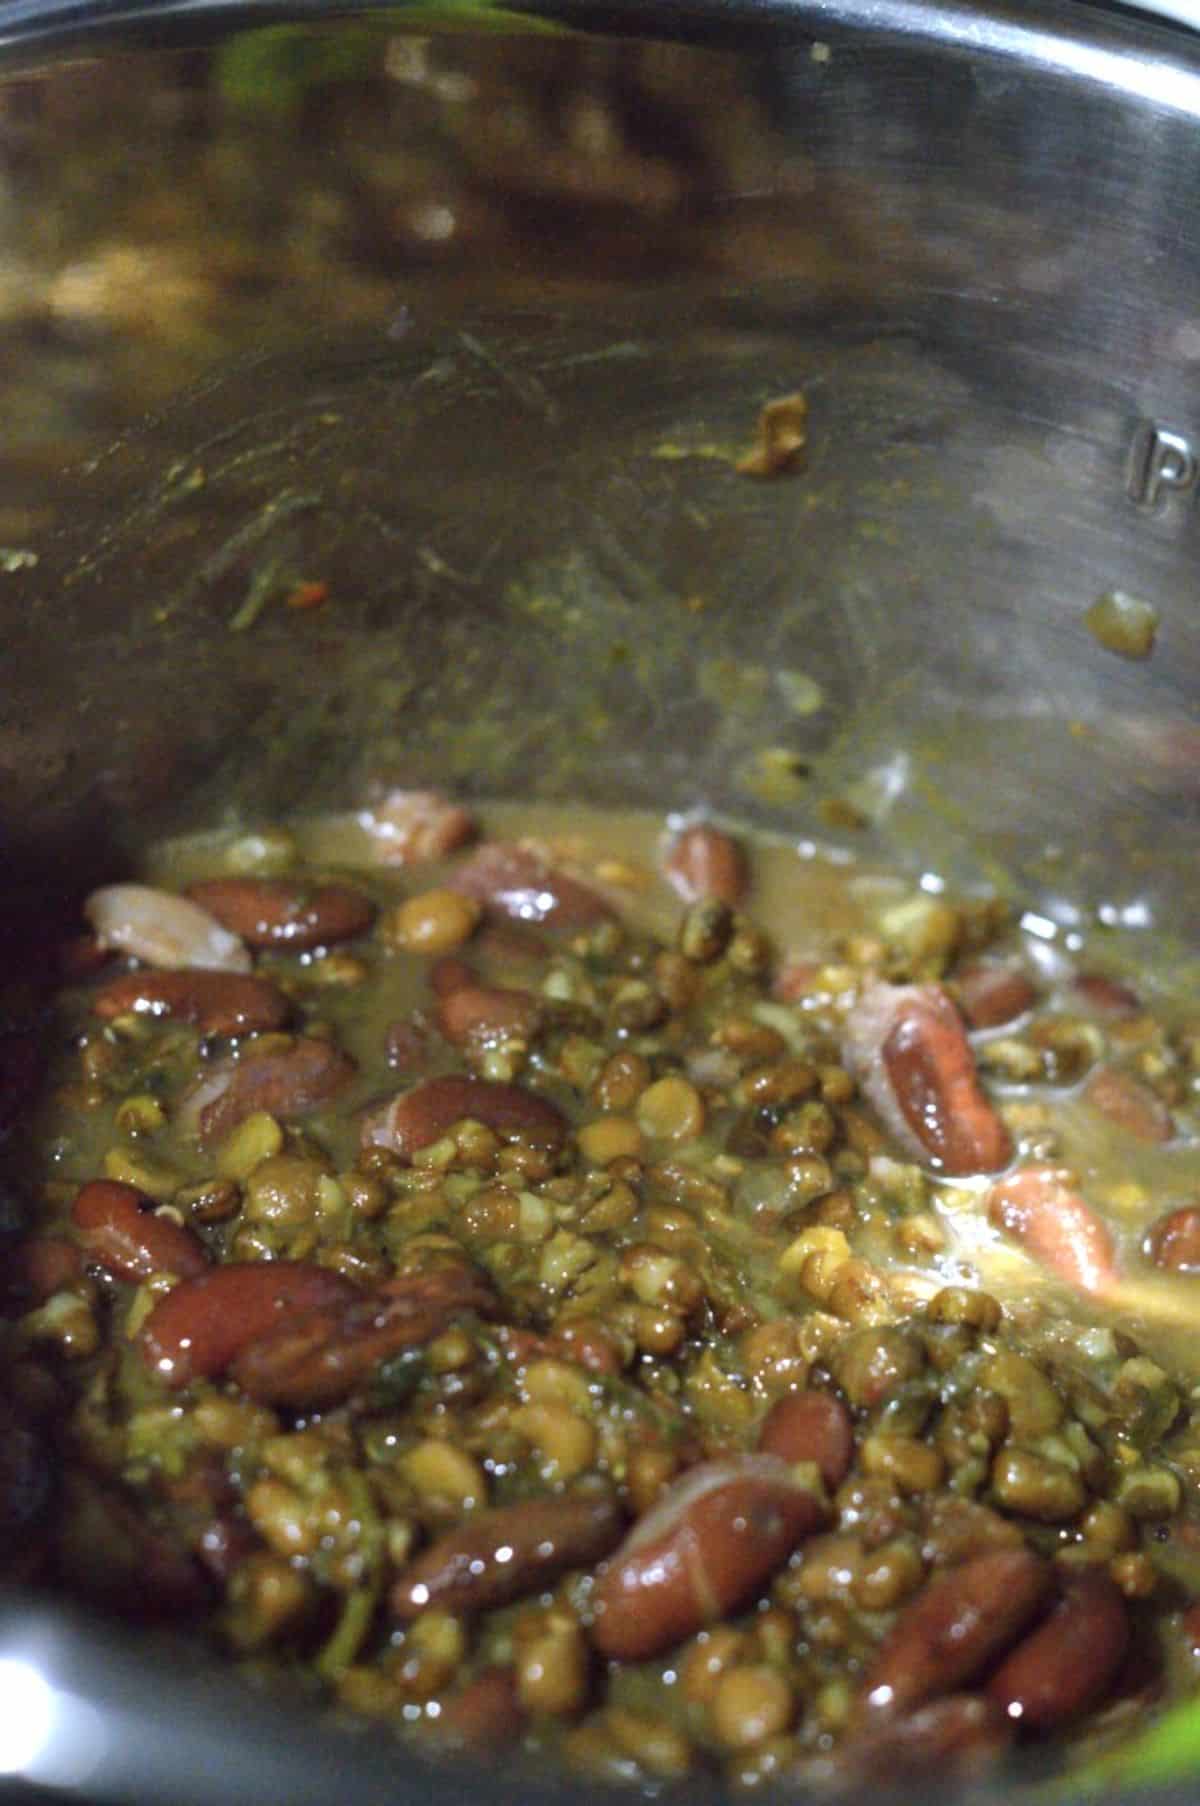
(483, 1716)
(810, 1426)
(908, 1048)
(497, 1556)
(318, 1357)
(1039, 1209)
(289, 1080)
(409, 826)
(203, 1323)
(478, 1014)
(1067, 1665)
(514, 881)
(1106, 996)
(1129, 1104)
(421, 1116)
(703, 862)
(953, 1629)
(990, 995)
(703, 1550)
(121, 1233)
(955, 1737)
(217, 1003)
(1173, 1242)
(278, 912)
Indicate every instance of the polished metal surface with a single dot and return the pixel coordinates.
(983, 273)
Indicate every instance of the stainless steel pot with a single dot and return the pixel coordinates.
(967, 234)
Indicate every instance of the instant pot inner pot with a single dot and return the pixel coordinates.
(548, 577)
(959, 236)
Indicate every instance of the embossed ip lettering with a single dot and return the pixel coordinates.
(1162, 462)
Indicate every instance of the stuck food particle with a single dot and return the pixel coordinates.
(306, 596)
(782, 437)
(1123, 624)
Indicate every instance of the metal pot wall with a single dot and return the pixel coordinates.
(963, 231)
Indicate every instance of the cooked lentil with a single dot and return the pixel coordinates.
(396, 1304)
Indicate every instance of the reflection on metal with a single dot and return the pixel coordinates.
(1162, 463)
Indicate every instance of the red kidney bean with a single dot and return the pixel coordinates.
(217, 1003)
(1173, 1242)
(479, 1014)
(810, 1426)
(704, 1550)
(703, 862)
(483, 1716)
(517, 882)
(1068, 1664)
(39, 1266)
(496, 1556)
(318, 1357)
(163, 930)
(1129, 1104)
(1105, 996)
(200, 1327)
(279, 912)
(1058, 1228)
(990, 996)
(418, 1117)
(949, 1633)
(909, 1050)
(289, 1080)
(121, 1233)
(507, 947)
(450, 974)
(409, 826)
(950, 1738)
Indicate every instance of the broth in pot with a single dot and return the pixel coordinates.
(633, 1292)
